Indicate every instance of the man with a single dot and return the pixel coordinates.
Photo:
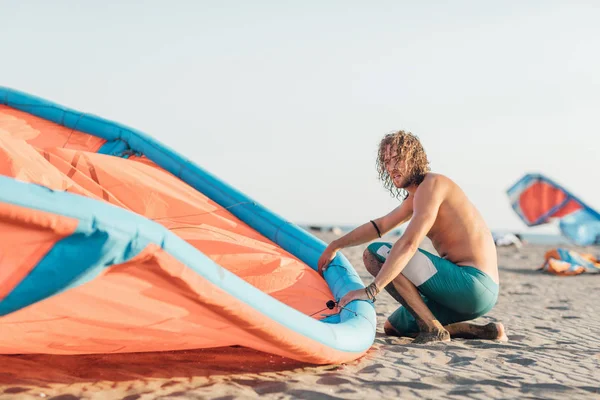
(437, 293)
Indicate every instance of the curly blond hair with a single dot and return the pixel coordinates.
(411, 151)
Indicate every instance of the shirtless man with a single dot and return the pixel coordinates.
(437, 293)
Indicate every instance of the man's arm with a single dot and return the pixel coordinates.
(398, 216)
(367, 231)
(426, 203)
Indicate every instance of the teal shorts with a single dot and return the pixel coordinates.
(453, 293)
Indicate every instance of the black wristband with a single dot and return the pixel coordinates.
(376, 228)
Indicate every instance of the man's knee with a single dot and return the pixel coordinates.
(401, 323)
(371, 263)
(389, 329)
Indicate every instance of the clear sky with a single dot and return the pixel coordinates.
(287, 101)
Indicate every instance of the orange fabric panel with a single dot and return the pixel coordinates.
(41, 133)
(26, 236)
(21, 161)
(538, 199)
(570, 207)
(80, 172)
(559, 267)
(155, 303)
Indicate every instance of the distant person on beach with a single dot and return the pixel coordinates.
(437, 293)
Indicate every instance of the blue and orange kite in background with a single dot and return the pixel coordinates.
(538, 200)
(567, 262)
(111, 242)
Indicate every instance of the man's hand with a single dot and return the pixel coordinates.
(358, 294)
(328, 255)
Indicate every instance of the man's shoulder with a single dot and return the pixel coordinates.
(437, 181)
(441, 186)
(438, 186)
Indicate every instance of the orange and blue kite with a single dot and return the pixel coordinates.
(113, 243)
(538, 200)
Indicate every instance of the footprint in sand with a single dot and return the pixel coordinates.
(370, 369)
(519, 360)
(516, 338)
(540, 388)
(546, 328)
(271, 387)
(397, 349)
(509, 377)
(459, 359)
(332, 381)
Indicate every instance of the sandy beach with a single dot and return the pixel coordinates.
(553, 352)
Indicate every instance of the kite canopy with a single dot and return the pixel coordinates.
(567, 262)
(113, 243)
(538, 200)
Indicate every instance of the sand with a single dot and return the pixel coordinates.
(553, 351)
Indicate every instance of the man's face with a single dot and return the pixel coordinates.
(395, 167)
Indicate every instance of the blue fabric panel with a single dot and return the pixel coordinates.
(71, 262)
(113, 147)
(581, 227)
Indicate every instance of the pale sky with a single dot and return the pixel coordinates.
(287, 101)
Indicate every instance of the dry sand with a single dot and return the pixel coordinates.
(553, 352)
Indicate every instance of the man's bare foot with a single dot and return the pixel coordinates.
(468, 330)
(496, 331)
(438, 335)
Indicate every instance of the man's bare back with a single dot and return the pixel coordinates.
(459, 233)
